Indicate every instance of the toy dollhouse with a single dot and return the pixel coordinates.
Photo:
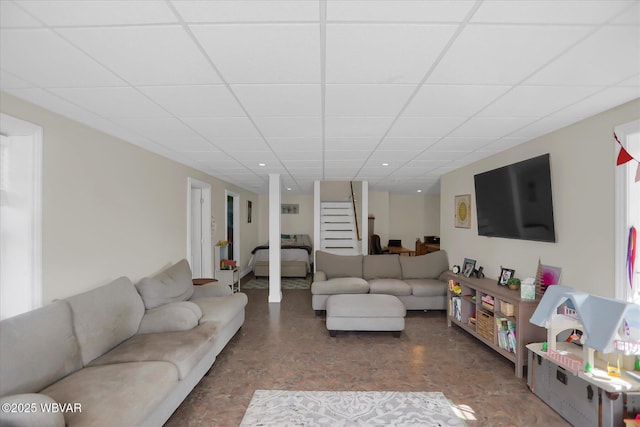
(587, 336)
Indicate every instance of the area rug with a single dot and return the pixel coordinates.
(285, 283)
(349, 408)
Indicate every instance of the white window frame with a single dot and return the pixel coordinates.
(625, 187)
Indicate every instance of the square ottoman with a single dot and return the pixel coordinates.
(365, 312)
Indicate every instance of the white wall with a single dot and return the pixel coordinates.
(583, 159)
(112, 209)
(412, 217)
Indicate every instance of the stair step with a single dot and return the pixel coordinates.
(335, 204)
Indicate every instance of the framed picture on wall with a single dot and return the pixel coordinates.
(462, 213)
(249, 209)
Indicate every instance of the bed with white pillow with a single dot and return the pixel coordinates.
(296, 252)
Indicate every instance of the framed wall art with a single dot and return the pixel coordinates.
(462, 213)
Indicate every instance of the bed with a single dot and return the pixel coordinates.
(296, 254)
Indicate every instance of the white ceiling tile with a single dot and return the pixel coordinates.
(394, 143)
(112, 101)
(166, 130)
(393, 157)
(452, 100)
(504, 144)
(239, 145)
(630, 16)
(303, 127)
(336, 144)
(605, 58)
(24, 53)
(491, 127)
(145, 55)
(398, 10)
(284, 53)
(366, 100)
(253, 158)
(438, 155)
(195, 101)
(12, 16)
(537, 100)
(549, 11)
(280, 99)
(502, 54)
(338, 127)
(295, 144)
(99, 12)
(247, 11)
(194, 144)
(346, 155)
(311, 156)
(460, 144)
(10, 81)
(427, 127)
(382, 54)
(222, 128)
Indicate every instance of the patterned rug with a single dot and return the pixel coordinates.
(285, 283)
(349, 408)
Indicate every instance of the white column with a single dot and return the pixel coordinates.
(364, 209)
(316, 220)
(275, 292)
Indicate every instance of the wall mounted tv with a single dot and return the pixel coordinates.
(515, 201)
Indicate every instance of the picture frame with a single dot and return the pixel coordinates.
(462, 211)
(468, 266)
(249, 209)
(505, 275)
(290, 208)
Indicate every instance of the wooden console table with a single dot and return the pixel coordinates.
(490, 323)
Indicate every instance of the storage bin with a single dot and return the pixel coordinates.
(507, 309)
(484, 326)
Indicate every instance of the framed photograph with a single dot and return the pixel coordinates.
(249, 209)
(505, 275)
(468, 266)
(290, 208)
(462, 213)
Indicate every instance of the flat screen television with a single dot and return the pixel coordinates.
(515, 201)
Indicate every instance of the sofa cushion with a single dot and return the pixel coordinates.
(427, 287)
(36, 416)
(339, 265)
(382, 267)
(124, 394)
(175, 316)
(183, 348)
(221, 310)
(105, 316)
(428, 266)
(170, 285)
(389, 286)
(341, 285)
(37, 348)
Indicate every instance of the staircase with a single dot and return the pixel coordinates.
(338, 228)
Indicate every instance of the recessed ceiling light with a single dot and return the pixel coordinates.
(419, 191)
(385, 164)
(288, 188)
(262, 164)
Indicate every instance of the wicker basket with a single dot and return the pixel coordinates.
(485, 325)
(507, 309)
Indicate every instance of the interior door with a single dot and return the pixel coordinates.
(196, 232)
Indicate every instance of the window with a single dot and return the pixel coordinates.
(627, 212)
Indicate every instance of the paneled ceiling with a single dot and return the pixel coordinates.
(396, 93)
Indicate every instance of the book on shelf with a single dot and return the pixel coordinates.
(456, 308)
(506, 334)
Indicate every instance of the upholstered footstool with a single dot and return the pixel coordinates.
(365, 312)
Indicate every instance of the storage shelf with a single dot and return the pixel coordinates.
(520, 312)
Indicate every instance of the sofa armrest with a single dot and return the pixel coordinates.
(30, 409)
(320, 276)
(213, 289)
(175, 316)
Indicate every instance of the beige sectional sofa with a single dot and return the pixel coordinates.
(118, 355)
(416, 281)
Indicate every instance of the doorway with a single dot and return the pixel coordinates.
(232, 220)
(199, 250)
(20, 216)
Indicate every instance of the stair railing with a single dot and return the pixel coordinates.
(355, 213)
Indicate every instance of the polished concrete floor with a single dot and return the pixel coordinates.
(287, 347)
